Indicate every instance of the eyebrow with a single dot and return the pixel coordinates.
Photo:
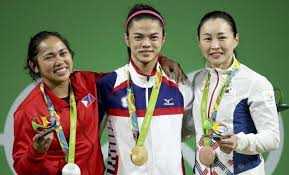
(149, 34)
(51, 53)
(220, 33)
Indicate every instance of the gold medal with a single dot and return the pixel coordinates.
(207, 155)
(139, 155)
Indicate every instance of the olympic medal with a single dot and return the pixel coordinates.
(71, 169)
(139, 155)
(207, 155)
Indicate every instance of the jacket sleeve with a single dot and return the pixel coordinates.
(264, 114)
(188, 121)
(26, 159)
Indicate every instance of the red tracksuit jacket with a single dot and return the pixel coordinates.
(88, 154)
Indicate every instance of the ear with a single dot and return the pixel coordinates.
(33, 67)
(237, 39)
(126, 39)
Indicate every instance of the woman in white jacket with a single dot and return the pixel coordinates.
(234, 110)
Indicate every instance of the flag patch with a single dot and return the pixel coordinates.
(87, 100)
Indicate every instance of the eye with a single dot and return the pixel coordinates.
(207, 39)
(222, 37)
(64, 53)
(48, 57)
(154, 38)
(137, 38)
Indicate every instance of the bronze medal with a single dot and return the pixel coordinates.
(207, 155)
(139, 155)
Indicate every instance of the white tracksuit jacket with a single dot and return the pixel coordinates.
(248, 109)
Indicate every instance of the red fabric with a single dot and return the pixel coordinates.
(88, 154)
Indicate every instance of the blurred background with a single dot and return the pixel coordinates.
(95, 30)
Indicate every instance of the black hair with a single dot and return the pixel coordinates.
(138, 7)
(223, 15)
(31, 59)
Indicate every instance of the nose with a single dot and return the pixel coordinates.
(215, 44)
(59, 60)
(146, 43)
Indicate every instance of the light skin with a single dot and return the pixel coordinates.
(217, 43)
(54, 63)
(145, 39)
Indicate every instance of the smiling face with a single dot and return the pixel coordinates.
(217, 42)
(54, 61)
(145, 40)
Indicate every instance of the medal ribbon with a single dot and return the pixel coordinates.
(207, 120)
(68, 150)
(139, 137)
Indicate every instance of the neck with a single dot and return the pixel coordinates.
(145, 68)
(60, 90)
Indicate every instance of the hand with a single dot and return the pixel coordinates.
(173, 69)
(42, 144)
(230, 144)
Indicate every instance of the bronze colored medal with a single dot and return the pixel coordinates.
(207, 155)
(139, 155)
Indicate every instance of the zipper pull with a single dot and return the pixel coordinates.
(148, 77)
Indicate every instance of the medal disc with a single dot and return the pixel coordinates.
(207, 155)
(71, 169)
(139, 155)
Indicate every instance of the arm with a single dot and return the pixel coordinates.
(188, 121)
(104, 88)
(26, 159)
(263, 111)
(264, 114)
(172, 69)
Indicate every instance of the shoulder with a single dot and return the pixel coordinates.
(31, 100)
(111, 78)
(255, 79)
(197, 74)
(85, 75)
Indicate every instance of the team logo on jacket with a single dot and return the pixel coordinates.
(229, 91)
(87, 100)
(124, 101)
(269, 98)
(168, 102)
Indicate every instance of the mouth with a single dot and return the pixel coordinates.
(146, 53)
(216, 54)
(61, 71)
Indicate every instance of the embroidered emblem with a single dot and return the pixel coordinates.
(229, 91)
(87, 100)
(124, 101)
(168, 102)
(269, 98)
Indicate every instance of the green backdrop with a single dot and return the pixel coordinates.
(95, 30)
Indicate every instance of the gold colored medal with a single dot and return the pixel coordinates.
(207, 155)
(139, 155)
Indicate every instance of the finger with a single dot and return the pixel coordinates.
(184, 79)
(35, 137)
(226, 142)
(228, 133)
(167, 71)
(226, 150)
(176, 72)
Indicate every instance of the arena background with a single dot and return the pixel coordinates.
(95, 30)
